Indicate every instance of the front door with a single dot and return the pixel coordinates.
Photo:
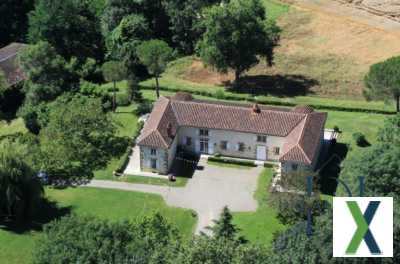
(261, 153)
(204, 145)
(154, 164)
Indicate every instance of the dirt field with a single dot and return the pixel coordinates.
(326, 49)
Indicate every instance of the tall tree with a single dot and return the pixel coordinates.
(155, 55)
(383, 81)
(185, 17)
(223, 227)
(71, 26)
(382, 175)
(14, 20)
(123, 41)
(114, 71)
(20, 189)
(77, 138)
(48, 74)
(148, 240)
(236, 35)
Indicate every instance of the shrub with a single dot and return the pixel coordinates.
(143, 108)
(123, 100)
(233, 161)
(88, 88)
(360, 139)
(336, 129)
(219, 94)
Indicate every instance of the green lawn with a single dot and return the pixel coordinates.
(259, 227)
(179, 182)
(109, 204)
(274, 8)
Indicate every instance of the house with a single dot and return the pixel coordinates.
(292, 137)
(9, 63)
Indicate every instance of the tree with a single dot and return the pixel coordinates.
(14, 20)
(224, 228)
(155, 55)
(114, 71)
(77, 239)
(382, 175)
(70, 26)
(236, 34)
(77, 138)
(383, 81)
(48, 74)
(203, 249)
(20, 189)
(185, 17)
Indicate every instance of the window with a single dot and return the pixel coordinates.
(153, 152)
(241, 146)
(277, 150)
(294, 167)
(204, 132)
(224, 145)
(188, 141)
(262, 139)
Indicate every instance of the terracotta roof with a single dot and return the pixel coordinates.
(9, 64)
(301, 130)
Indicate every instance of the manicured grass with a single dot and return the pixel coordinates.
(13, 127)
(109, 204)
(260, 226)
(179, 182)
(228, 165)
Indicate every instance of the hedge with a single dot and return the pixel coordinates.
(233, 161)
(271, 102)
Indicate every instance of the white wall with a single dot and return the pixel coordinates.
(233, 138)
(161, 156)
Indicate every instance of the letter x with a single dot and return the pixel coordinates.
(363, 231)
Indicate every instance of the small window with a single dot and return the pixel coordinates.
(277, 150)
(241, 146)
(261, 138)
(295, 167)
(204, 132)
(188, 141)
(153, 152)
(224, 145)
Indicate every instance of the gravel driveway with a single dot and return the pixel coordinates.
(207, 192)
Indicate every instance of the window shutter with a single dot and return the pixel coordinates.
(197, 146)
(210, 147)
(209, 133)
(198, 132)
(255, 138)
(228, 146)
(237, 146)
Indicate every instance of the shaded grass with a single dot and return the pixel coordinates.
(108, 204)
(260, 226)
(275, 9)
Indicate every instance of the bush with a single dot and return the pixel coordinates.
(90, 89)
(123, 100)
(219, 94)
(143, 108)
(360, 139)
(233, 161)
(336, 129)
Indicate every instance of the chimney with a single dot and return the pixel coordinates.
(169, 130)
(256, 109)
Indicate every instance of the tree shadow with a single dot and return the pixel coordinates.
(276, 85)
(185, 164)
(329, 170)
(47, 212)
